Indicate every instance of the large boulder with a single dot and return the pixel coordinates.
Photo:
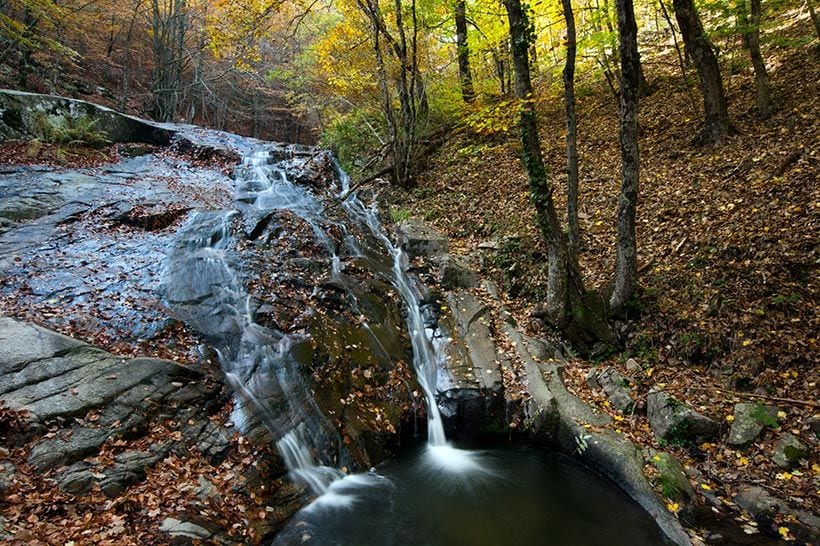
(31, 115)
(674, 422)
(420, 239)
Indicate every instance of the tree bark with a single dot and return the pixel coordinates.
(626, 264)
(464, 74)
(571, 138)
(644, 87)
(716, 113)
(682, 64)
(814, 18)
(568, 305)
(751, 39)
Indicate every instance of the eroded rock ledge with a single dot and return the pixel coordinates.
(483, 331)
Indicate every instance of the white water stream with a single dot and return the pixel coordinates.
(258, 361)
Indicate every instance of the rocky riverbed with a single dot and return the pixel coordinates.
(118, 425)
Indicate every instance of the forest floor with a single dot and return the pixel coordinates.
(728, 242)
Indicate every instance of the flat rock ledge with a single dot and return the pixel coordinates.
(89, 394)
(84, 396)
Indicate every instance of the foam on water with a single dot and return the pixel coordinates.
(344, 492)
(451, 460)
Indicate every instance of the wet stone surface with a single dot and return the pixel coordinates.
(92, 261)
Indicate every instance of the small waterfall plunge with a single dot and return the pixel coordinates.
(203, 286)
(428, 348)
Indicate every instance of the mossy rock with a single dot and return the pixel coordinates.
(671, 478)
(675, 423)
(60, 119)
(789, 450)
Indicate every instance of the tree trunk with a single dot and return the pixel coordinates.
(464, 75)
(644, 87)
(626, 265)
(751, 39)
(569, 306)
(814, 18)
(501, 69)
(169, 25)
(571, 139)
(30, 23)
(716, 113)
(682, 64)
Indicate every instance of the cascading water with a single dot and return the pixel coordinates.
(205, 291)
(202, 285)
(428, 348)
(454, 497)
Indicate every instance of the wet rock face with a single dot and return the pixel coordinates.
(469, 383)
(92, 243)
(469, 387)
(674, 422)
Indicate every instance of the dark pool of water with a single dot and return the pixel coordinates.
(508, 497)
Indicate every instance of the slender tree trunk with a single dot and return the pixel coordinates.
(814, 18)
(502, 68)
(644, 88)
(626, 265)
(540, 190)
(716, 113)
(23, 69)
(681, 62)
(464, 74)
(408, 84)
(571, 139)
(751, 39)
(568, 305)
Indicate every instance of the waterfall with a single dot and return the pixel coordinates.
(425, 358)
(428, 349)
(203, 287)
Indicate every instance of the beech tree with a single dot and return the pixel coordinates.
(577, 313)
(465, 77)
(716, 112)
(626, 263)
(751, 40)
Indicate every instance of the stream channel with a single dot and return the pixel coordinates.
(433, 494)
